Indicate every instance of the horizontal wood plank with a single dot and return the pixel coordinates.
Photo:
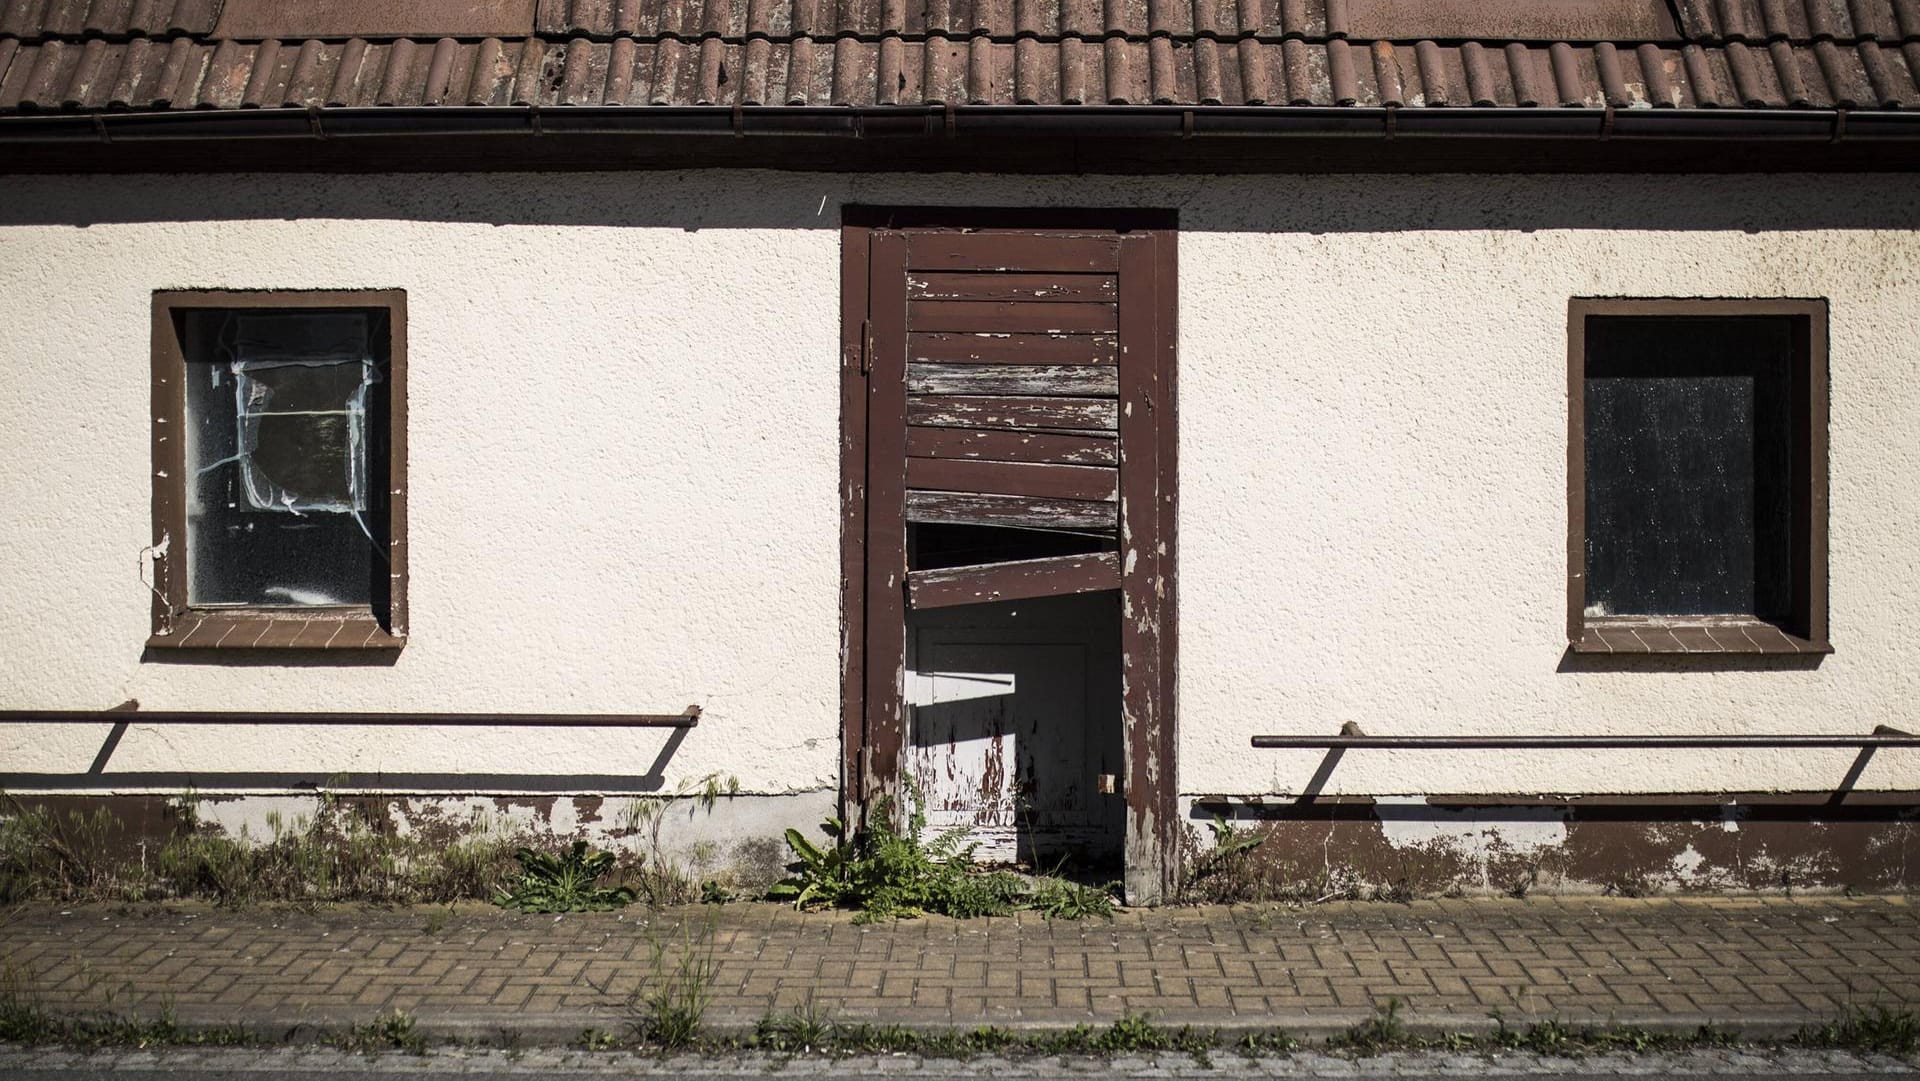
(1012, 317)
(1014, 478)
(1050, 577)
(975, 285)
(1060, 380)
(967, 411)
(1011, 511)
(962, 348)
(1028, 252)
(1012, 446)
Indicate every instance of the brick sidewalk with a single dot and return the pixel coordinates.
(1759, 965)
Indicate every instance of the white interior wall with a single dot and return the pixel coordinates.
(624, 473)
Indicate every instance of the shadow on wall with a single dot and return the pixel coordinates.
(762, 199)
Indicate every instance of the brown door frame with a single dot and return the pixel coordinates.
(873, 596)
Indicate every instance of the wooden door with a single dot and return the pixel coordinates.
(1010, 425)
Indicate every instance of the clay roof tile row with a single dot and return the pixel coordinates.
(182, 74)
(107, 18)
(1703, 21)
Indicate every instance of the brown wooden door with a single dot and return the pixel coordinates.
(1016, 443)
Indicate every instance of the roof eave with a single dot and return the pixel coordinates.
(1160, 137)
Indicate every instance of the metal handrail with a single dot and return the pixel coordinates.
(1882, 736)
(689, 719)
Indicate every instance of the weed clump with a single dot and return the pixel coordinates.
(347, 850)
(1893, 1032)
(341, 853)
(43, 854)
(24, 1021)
(393, 1031)
(667, 1009)
(568, 882)
(885, 873)
(1226, 873)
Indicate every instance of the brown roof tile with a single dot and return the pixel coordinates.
(106, 18)
(158, 54)
(974, 69)
(1706, 21)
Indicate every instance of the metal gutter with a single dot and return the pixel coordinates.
(937, 122)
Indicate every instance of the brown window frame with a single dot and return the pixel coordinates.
(1805, 631)
(177, 625)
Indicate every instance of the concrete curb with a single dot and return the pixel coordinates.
(513, 1028)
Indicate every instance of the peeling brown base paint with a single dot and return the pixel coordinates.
(1494, 845)
(1329, 848)
(737, 839)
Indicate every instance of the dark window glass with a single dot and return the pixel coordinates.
(1689, 444)
(286, 444)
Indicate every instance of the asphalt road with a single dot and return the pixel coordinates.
(169, 1075)
(567, 1065)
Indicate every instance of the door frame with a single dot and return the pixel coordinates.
(871, 752)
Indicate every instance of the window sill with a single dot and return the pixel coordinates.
(1691, 635)
(268, 629)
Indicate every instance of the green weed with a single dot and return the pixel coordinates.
(24, 1021)
(798, 1031)
(393, 1031)
(1893, 1032)
(658, 877)
(598, 1039)
(884, 873)
(65, 857)
(670, 1003)
(1381, 1032)
(567, 882)
(1225, 873)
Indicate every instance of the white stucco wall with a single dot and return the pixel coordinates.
(623, 465)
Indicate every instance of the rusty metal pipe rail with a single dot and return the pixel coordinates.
(1880, 737)
(688, 719)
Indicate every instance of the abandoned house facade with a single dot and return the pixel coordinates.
(1471, 445)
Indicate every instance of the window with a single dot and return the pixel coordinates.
(278, 447)
(1697, 476)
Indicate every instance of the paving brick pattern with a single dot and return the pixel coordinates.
(1750, 963)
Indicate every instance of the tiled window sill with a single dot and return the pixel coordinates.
(1682, 635)
(273, 629)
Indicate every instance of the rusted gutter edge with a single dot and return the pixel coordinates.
(1881, 737)
(688, 719)
(939, 122)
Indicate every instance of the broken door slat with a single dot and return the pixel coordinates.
(1063, 380)
(1036, 253)
(991, 446)
(1014, 478)
(1021, 580)
(961, 348)
(968, 411)
(1010, 511)
(1042, 288)
(1012, 317)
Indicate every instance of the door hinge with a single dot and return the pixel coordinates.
(866, 347)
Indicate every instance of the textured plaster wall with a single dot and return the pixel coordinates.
(623, 468)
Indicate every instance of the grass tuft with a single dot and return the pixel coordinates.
(392, 1031)
(1878, 1028)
